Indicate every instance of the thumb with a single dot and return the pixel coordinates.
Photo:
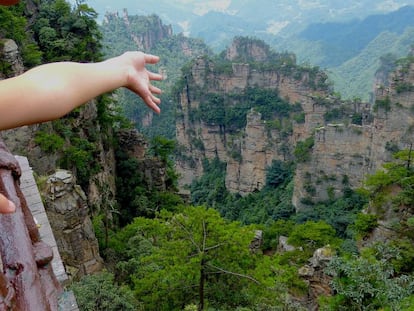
(6, 206)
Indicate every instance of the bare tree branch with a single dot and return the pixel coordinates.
(190, 236)
(213, 247)
(204, 235)
(234, 273)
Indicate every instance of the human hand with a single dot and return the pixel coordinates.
(139, 78)
(6, 206)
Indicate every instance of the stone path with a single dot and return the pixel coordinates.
(34, 201)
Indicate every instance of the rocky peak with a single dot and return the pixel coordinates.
(67, 209)
(153, 29)
(11, 56)
(245, 49)
(318, 282)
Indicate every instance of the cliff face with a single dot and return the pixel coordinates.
(154, 29)
(250, 150)
(346, 147)
(344, 154)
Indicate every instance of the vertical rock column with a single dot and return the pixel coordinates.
(67, 210)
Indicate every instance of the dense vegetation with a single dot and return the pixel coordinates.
(163, 254)
(230, 110)
(193, 257)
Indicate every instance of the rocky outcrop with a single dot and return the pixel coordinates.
(11, 56)
(249, 151)
(340, 158)
(133, 143)
(344, 154)
(318, 281)
(154, 31)
(67, 209)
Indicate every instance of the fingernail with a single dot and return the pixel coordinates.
(12, 207)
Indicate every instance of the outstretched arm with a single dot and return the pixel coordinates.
(50, 91)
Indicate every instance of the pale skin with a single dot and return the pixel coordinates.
(50, 91)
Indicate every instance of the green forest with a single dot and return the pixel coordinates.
(163, 252)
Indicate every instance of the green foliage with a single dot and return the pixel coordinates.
(313, 235)
(334, 114)
(13, 25)
(273, 202)
(277, 173)
(230, 111)
(303, 149)
(383, 104)
(135, 193)
(109, 114)
(213, 110)
(340, 213)
(260, 207)
(364, 223)
(162, 148)
(368, 282)
(100, 292)
(196, 257)
(382, 184)
(273, 230)
(210, 189)
(299, 118)
(381, 276)
(81, 155)
(356, 118)
(49, 142)
(404, 87)
(66, 33)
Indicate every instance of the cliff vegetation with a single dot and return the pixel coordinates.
(260, 190)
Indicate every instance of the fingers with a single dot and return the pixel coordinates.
(155, 76)
(139, 79)
(154, 89)
(151, 59)
(6, 206)
(153, 102)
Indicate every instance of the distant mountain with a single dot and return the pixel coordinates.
(343, 41)
(217, 29)
(351, 51)
(356, 76)
(266, 16)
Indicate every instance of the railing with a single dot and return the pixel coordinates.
(27, 281)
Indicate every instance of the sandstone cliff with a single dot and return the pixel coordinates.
(351, 138)
(248, 151)
(151, 32)
(344, 154)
